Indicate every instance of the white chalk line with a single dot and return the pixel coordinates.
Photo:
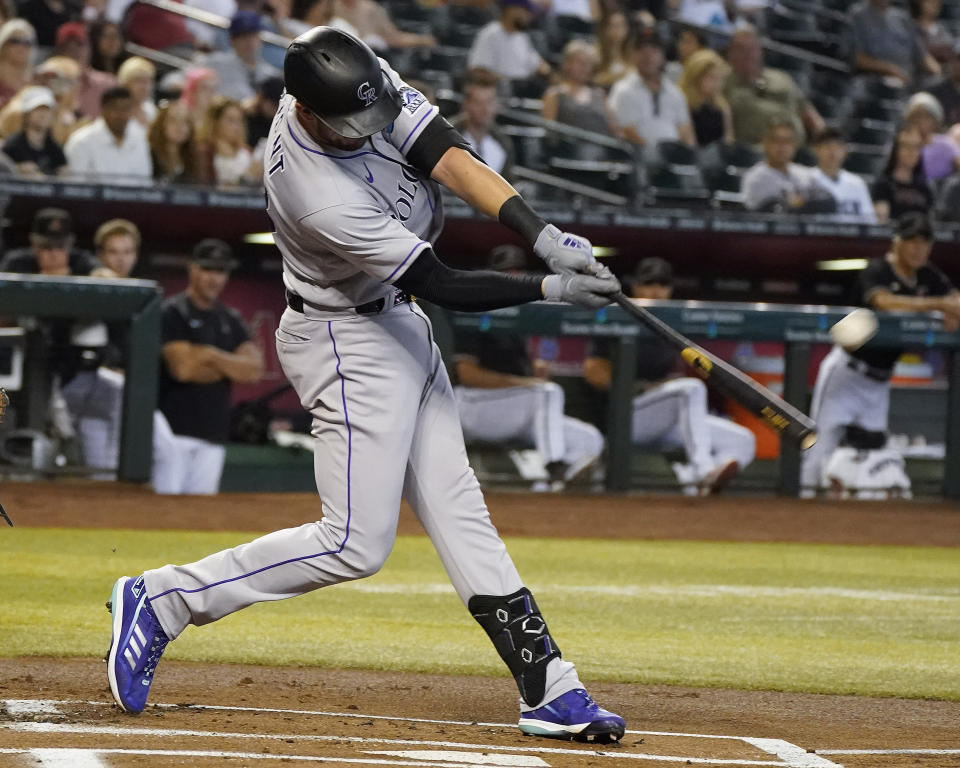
(76, 728)
(888, 751)
(684, 590)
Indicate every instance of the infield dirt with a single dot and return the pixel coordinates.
(812, 721)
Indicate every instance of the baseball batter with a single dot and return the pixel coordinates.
(351, 171)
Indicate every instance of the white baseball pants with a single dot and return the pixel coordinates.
(841, 396)
(674, 415)
(385, 424)
(183, 464)
(532, 414)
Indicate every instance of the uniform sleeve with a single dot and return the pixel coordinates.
(415, 114)
(872, 279)
(175, 327)
(239, 332)
(867, 212)
(364, 236)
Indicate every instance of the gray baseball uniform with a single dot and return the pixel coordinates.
(385, 420)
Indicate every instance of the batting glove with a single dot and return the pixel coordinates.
(565, 253)
(583, 290)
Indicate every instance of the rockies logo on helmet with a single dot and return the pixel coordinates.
(367, 93)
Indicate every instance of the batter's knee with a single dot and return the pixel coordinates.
(361, 561)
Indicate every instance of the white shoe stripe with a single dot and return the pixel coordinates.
(139, 633)
(129, 657)
(136, 648)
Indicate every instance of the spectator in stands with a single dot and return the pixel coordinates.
(106, 46)
(613, 48)
(198, 91)
(941, 156)
(758, 94)
(505, 396)
(62, 76)
(503, 48)
(689, 41)
(776, 183)
(224, 158)
(948, 201)
(74, 43)
(704, 76)
(375, 27)
(241, 68)
(307, 14)
(51, 250)
(45, 17)
(138, 75)
(260, 111)
(670, 412)
(477, 123)
(947, 90)
(172, 149)
(645, 106)
(17, 49)
(574, 101)
(33, 149)
(884, 41)
(902, 187)
(206, 347)
(936, 38)
(113, 148)
(847, 189)
(94, 395)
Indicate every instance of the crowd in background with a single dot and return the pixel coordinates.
(75, 102)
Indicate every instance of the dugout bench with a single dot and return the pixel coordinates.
(796, 326)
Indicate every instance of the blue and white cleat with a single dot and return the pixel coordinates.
(576, 716)
(136, 645)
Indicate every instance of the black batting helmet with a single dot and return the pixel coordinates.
(339, 79)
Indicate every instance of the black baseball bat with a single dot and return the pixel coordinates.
(776, 412)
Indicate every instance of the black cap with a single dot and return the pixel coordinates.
(653, 270)
(213, 254)
(505, 257)
(913, 224)
(52, 224)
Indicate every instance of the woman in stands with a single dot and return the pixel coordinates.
(704, 76)
(941, 157)
(574, 101)
(613, 49)
(902, 187)
(18, 44)
(171, 145)
(225, 159)
(199, 88)
(106, 46)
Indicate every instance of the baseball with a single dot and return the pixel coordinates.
(855, 330)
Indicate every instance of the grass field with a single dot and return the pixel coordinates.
(798, 617)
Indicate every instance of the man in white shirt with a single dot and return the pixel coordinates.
(776, 183)
(477, 124)
(854, 205)
(503, 48)
(113, 148)
(645, 106)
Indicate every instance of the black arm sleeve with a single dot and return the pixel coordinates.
(521, 218)
(436, 138)
(466, 291)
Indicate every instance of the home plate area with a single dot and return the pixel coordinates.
(51, 733)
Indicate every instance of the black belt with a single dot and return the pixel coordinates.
(871, 372)
(374, 307)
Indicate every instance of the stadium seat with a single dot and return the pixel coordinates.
(875, 133)
(865, 164)
(528, 143)
(616, 178)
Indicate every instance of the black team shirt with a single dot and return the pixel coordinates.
(879, 275)
(199, 410)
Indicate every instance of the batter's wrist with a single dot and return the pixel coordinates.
(521, 218)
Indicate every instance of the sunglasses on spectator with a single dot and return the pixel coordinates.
(19, 41)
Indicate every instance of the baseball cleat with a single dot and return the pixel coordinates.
(718, 477)
(576, 716)
(135, 646)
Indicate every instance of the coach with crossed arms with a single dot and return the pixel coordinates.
(352, 167)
